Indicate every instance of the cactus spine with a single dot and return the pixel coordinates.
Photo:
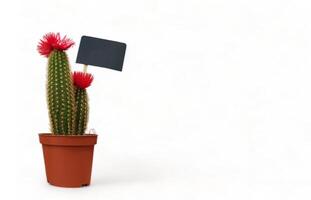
(60, 94)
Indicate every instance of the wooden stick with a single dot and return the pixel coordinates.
(84, 68)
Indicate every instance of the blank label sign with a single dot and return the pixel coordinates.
(101, 53)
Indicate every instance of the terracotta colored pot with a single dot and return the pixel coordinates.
(68, 159)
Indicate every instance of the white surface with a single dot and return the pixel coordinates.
(214, 101)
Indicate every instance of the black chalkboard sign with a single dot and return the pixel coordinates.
(101, 53)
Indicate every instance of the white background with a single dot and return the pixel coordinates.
(214, 101)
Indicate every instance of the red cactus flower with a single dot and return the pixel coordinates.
(82, 79)
(53, 41)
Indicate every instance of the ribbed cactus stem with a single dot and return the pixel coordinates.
(82, 110)
(60, 94)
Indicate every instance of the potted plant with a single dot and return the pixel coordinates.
(67, 150)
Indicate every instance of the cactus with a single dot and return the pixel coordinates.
(60, 90)
(66, 93)
(81, 81)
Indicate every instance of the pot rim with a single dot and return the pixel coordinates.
(54, 135)
(68, 140)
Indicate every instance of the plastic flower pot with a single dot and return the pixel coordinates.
(68, 158)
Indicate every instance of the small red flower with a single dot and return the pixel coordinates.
(82, 80)
(53, 41)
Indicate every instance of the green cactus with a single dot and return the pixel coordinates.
(66, 94)
(60, 90)
(82, 80)
(60, 94)
(82, 110)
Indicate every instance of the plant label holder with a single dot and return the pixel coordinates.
(101, 53)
